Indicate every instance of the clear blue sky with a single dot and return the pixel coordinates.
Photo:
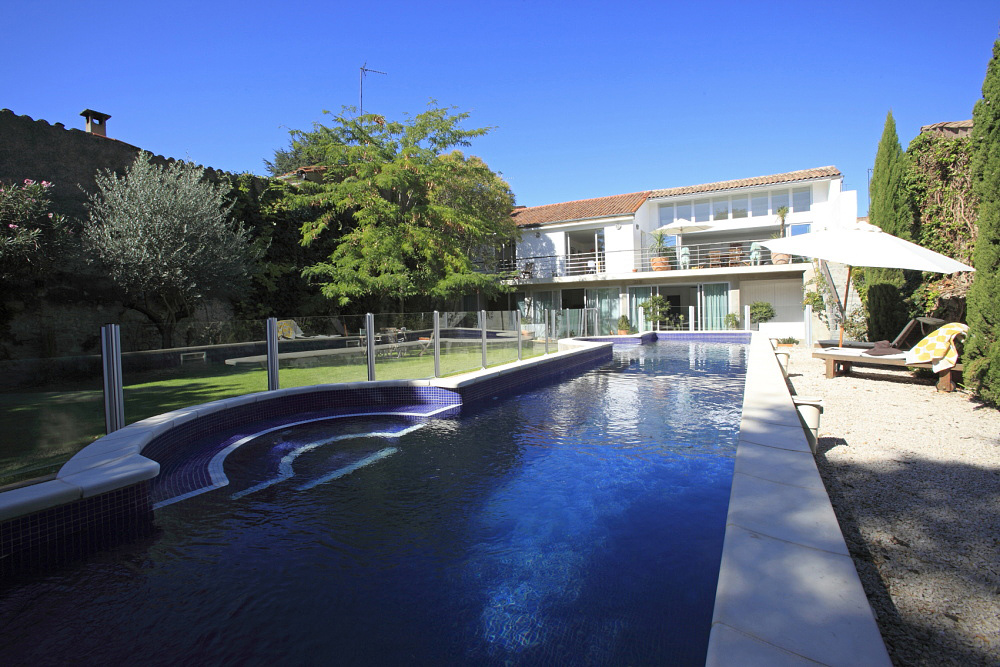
(587, 98)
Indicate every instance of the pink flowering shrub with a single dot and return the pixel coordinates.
(26, 225)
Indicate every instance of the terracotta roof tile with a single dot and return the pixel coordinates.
(804, 174)
(583, 209)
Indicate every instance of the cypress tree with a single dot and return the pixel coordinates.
(889, 209)
(982, 349)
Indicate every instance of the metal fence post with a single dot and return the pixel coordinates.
(482, 331)
(517, 330)
(111, 358)
(436, 337)
(690, 318)
(271, 331)
(746, 318)
(370, 339)
(808, 316)
(545, 325)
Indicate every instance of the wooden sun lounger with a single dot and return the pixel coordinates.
(840, 360)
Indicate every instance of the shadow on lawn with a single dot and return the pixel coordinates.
(955, 509)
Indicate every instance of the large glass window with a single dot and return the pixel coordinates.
(759, 204)
(801, 199)
(666, 214)
(740, 207)
(702, 208)
(779, 198)
(795, 230)
(720, 208)
(684, 211)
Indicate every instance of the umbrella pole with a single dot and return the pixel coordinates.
(847, 287)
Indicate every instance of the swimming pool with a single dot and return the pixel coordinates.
(579, 522)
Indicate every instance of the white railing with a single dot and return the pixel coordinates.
(694, 256)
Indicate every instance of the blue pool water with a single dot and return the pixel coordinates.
(577, 523)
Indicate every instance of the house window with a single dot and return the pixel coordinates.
(684, 211)
(758, 204)
(801, 199)
(740, 207)
(779, 198)
(702, 208)
(720, 208)
(666, 214)
(795, 230)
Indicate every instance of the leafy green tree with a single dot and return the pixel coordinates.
(889, 209)
(164, 236)
(982, 349)
(305, 149)
(413, 216)
(273, 219)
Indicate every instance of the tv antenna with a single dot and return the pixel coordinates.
(361, 86)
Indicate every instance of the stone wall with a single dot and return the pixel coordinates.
(68, 158)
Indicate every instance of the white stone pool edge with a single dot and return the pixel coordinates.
(788, 591)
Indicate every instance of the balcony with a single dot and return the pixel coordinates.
(742, 254)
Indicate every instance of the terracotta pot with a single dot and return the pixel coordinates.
(623, 332)
(780, 258)
(660, 263)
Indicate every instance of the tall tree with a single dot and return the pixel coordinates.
(414, 216)
(164, 236)
(982, 349)
(889, 209)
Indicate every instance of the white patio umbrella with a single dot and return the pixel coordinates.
(864, 245)
(681, 227)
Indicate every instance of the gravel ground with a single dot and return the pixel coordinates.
(914, 477)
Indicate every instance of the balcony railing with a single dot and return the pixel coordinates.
(695, 256)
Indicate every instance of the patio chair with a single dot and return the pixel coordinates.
(755, 254)
(937, 351)
(528, 271)
(735, 254)
(714, 259)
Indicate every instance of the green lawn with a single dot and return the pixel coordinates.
(41, 429)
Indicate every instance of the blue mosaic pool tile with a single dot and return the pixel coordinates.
(698, 337)
(74, 530)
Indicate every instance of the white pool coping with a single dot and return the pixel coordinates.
(788, 591)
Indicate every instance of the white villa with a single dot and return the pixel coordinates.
(596, 253)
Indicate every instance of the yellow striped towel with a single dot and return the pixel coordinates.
(286, 329)
(938, 348)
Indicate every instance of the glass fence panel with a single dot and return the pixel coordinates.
(461, 342)
(321, 350)
(51, 404)
(192, 363)
(404, 346)
(502, 329)
(533, 334)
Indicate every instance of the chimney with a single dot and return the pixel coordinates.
(96, 122)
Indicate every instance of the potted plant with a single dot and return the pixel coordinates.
(732, 321)
(624, 326)
(780, 257)
(656, 310)
(761, 311)
(788, 341)
(660, 258)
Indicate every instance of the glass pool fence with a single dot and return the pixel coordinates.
(70, 392)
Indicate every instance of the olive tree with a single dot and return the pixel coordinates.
(164, 237)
